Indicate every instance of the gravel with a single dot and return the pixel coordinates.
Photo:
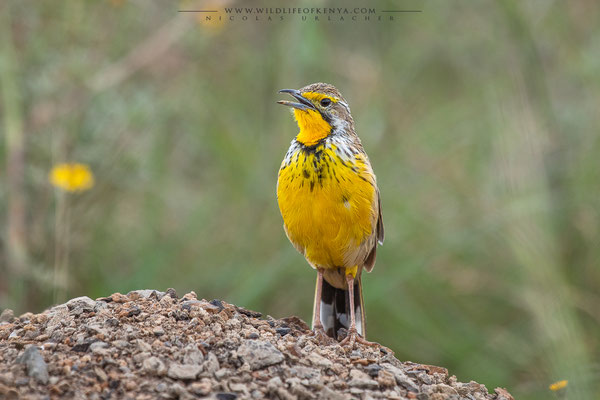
(154, 345)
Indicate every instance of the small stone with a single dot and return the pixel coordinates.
(373, 370)
(319, 361)
(361, 380)
(183, 371)
(130, 385)
(145, 294)
(190, 296)
(274, 383)
(330, 394)
(84, 303)
(119, 298)
(154, 366)
(143, 346)
(443, 388)
(99, 348)
(221, 373)
(161, 387)
(502, 394)
(283, 394)
(248, 313)
(36, 366)
(238, 387)
(15, 333)
(385, 378)
(259, 354)
(401, 378)
(209, 308)
(296, 388)
(283, 331)
(178, 391)
(425, 378)
(193, 355)
(201, 388)
(82, 347)
(226, 396)
(212, 363)
(140, 357)
(133, 311)
(166, 301)
(158, 331)
(304, 372)
(217, 303)
(7, 378)
(120, 344)
(102, 377)
(172, 293)
(7, 315)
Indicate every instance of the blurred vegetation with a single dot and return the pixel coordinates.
(480, 118)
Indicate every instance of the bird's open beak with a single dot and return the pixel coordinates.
(303, 103)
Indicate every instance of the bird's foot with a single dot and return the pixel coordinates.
(353, 337)
(320, 336)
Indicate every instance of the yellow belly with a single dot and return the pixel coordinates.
(328, 205)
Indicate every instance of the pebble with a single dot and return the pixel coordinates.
(158, 331)
(319, 361)
(226, 396)
(361, 380)
(260, 353)
(283, 331)
(385, 378)
(98, 347)
(84, 303)
(201, 388)
(36, 366)
(154, 366)
(145, 294)
(183, 371)
(193, 355)
(373, 370)
(212, 363)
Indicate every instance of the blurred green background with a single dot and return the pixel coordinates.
(480, 118)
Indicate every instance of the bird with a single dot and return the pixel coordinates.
(330, 203)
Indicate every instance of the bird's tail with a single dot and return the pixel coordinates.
(335, 309)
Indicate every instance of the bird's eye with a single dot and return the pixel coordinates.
(325, 102)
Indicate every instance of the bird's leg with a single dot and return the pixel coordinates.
(353, 335)
(318, 330)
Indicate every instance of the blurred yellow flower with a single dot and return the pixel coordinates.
(559, 385)
(72, 177)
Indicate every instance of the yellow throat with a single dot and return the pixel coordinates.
(312, 127)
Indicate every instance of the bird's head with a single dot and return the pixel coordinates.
(320, 110)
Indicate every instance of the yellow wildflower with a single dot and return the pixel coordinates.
(72, 177)
(559, 385)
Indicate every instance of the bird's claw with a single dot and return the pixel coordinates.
(321, 337)
(353, 337)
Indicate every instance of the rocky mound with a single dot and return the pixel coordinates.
(149, 344)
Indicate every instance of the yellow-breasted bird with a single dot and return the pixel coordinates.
(329, 200)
